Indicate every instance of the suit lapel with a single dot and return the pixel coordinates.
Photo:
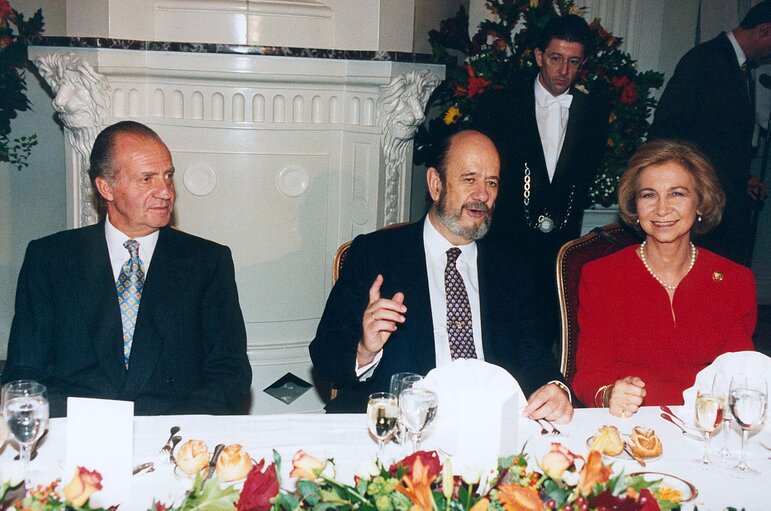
(571, 136)
(418, 300)
(150, 331)
(99, 303)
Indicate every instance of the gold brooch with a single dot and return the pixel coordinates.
(717, 276)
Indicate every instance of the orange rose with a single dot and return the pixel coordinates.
(305, 466)
(82, 485)
(593, 472)
(557, 461)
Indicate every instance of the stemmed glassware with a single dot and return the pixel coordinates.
(382, 415)
(417, 409)
(748, 399)
(710, 409)
(25, 411)
(399, 382)
(720, 387)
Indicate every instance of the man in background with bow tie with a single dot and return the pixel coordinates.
(551, 137)
(416, 297)
(130, 308)
(709, 102)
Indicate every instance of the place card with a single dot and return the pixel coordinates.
(100, 436)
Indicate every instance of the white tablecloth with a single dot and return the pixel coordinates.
(345, 438)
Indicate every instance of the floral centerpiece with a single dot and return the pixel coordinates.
(13, 62)
(501, 53)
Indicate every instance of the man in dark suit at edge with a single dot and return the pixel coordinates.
(708, 102)
(130, 308)
(551, 137)
(391, 310)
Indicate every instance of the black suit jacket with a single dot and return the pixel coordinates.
(508, 117)
(189, 348)
(509, 327)
(707, 102)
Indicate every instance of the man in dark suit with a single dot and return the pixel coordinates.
(551, 137)
(131, 308)
(708, 102)
(392, 308)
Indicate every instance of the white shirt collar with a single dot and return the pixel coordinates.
(543, 96)
(437, 245)
(118, 253)
(740, 55)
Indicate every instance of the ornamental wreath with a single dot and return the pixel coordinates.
(501, 54)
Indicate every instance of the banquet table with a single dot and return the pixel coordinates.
(346, 439)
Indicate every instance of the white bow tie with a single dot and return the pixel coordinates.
(563, 100)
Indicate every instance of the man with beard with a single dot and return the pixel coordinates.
(416, 297)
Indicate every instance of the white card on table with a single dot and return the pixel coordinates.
(100, 436)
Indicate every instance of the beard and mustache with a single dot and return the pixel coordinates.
(451, 219)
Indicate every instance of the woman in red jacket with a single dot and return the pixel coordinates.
(652, 316)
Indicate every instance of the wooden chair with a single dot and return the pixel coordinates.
(573, 255)
(337, 266)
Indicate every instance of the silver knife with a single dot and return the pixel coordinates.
(213, 462)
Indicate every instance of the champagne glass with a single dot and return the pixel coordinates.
(748, 399)
(417, 408)
(382, 414)
(709, 414)
(720, 387)
(25, 411)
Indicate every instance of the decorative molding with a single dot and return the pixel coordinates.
(82, 101)
(400, 110)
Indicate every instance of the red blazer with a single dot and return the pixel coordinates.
(626, 326)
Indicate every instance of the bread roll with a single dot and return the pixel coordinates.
(608, 441)
(645, 443)
(234, 463)
(193, 455)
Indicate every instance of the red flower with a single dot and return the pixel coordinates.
(260, 486)
(5, 9)
(627, 88)
(647, 501)
(429, 459)
(83, 484)
(476, 85)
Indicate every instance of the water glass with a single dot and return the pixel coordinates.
(401, 381)
(748, 399)
(382, 415)
(417, 408)
(25, 411)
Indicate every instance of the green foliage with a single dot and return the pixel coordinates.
(208, 495)
(501, 54)
(13, 63)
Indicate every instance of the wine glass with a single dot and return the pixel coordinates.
(25, 411)
(382, 414)
(710, 409)
(399, 382)
(748, 399)
(720, 387)
(417, 408)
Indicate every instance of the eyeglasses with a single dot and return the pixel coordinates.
(556, 60)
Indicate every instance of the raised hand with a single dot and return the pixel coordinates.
(380, 320)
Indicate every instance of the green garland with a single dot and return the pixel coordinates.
(501, 54)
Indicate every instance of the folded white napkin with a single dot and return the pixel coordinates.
(477, 400)
(740, 362)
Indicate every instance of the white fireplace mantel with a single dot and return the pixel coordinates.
(282, 158)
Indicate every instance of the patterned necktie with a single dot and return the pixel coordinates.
(459, 330)
(129, 286)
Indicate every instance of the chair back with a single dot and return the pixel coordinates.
(342, 254)
(573, 255)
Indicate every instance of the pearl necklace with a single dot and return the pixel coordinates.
(670, 287)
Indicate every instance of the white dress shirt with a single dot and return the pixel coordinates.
(552, 115)
(436, 246)
(119, 254)
(740, 55)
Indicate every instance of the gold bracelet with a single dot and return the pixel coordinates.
(606, 396)
(600, 392)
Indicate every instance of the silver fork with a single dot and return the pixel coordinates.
(554, 431)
